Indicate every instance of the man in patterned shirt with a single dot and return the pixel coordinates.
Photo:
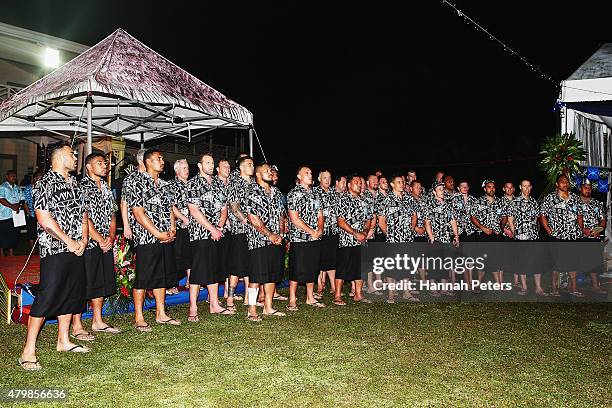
(489, 216)
(354, 222)
(151, 202)
(449, 187)
(62, 217)
(222, 183)
(370, 196)
(508, 230)
(418, 204)
(440, 221)
(397, 220)
(461, 203)
(410, 177)
(99, 262)
(340, 185)
(238, 265)
(207, 215)
(329, 241)
(305, 231)
(594, 216)
(127, 216)
(182, 245)
(266, 213)
(525, 213)
(561, 218)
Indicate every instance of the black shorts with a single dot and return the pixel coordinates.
(421, 239)
(496, 256)
(349, 263)
(238, 263)
(31, 225)
(100, 277)
(61, 289)
(223, 253)
(304, 261)
(329, 252)
(182, 249)
(155, 266)
(8, 234)
(264, 264)
(563, 256)
(528, 257)
(204, 268)
(437, 251)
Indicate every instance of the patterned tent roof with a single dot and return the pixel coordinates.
(137, 94)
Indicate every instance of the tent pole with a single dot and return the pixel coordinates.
(88, 149)
(251, 142)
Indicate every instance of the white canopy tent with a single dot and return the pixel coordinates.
(586, 101)
(122, 88)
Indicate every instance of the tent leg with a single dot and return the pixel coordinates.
(89, 147)
(251, 142)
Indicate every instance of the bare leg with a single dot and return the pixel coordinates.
(555, 282)
(253, 308)
(523, 283)
(213, 298)
(139, 295)
(63, 330)
(358, 290)
(160, 304)
(310, 293)
(537, 278)
(338, 291)
(194, 292)
(321, 283)
(332, 280)
(34, 326)
(595, 284)
(97, 322)
(246, 292)
(233, 282)
(293, 286)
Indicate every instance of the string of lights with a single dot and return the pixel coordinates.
(515, 53)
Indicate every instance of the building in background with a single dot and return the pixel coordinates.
(25, 57)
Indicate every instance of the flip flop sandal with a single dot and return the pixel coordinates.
(521, 293)
(577, 294)
(339, 303)
(107, 329)
(281, 298)
(169, 321)
(292, 308)
(276, 313)
(363, 300)
(225, 311)
(193, 319)
(36, 367)
(317, 296)
(543, 294)
(144, 328)
(76, 349)
(390, 301)
(83, 337)
(318, 305)
(255, 318)
(555, 294)
(237, 297)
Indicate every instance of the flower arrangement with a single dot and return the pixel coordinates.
(125, 270)
(562, 155)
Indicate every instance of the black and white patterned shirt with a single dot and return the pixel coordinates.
(562, 215)
(180, 192)
(100, 206)
(448, 195)
(329, 203)
(592, 213)
(211, 202)
(440, 214)
(237, 192)
(398, 212)
(224, 189)
(66, 203)
(269, 209)
(489, 213)
(420, 207)
(525, 212)
(127, 191)
(157, 200)
(461, 208)
(307, 205)
(356, 212)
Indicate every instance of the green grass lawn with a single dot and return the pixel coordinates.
(482, 354)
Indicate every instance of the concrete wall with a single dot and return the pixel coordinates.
(25, 153)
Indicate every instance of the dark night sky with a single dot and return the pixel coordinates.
(362, 85)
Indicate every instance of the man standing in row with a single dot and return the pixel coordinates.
(151, 202)
(99, 262)
(11, 199)
(208, 213)
(239, 250)
(329, 241)
(266, 214)
(305, 230)
(62, 217)
(354, 222)
(182, 245)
